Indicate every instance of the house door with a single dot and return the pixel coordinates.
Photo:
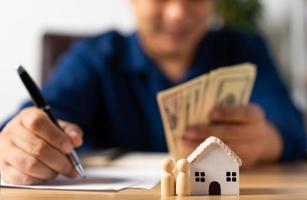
(214, 188)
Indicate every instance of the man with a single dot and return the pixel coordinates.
(107, 85)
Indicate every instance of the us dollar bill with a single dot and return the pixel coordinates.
(171, 107)
(228, 86)
(189, 104)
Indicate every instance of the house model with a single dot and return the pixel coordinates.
(214, 169)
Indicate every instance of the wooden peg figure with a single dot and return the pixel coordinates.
(183, 180)
(168, 178)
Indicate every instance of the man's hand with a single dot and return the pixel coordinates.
(244, 129)
(33, 149)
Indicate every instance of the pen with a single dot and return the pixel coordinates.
(41, 103)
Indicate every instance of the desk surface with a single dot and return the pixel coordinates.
(266, 182)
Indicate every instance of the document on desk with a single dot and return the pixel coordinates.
(103, 178)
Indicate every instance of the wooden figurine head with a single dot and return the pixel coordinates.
(183, 165)
(168, 165)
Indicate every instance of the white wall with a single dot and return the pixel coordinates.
(22, 24)
(284, 24)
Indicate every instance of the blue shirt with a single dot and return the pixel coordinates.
(108, 86)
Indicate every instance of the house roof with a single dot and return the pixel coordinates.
(210, 141)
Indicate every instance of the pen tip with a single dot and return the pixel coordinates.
(81, 171)
(20, 69)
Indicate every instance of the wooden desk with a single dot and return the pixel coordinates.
(266, 182)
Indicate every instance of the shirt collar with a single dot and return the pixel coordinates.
(139, 62)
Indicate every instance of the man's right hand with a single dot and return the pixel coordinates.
(33, 150)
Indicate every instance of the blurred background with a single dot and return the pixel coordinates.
(283, 23)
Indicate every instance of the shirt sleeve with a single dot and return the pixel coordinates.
(272, 95)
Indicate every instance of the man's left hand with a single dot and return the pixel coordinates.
(244, 129)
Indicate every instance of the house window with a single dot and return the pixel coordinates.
(231, 176)
(199, 176)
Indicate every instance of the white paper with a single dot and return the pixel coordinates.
(103, 178)
(141, 159)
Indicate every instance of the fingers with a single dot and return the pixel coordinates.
(33, 149)
(237, 114)
(243, 128)
(42, 151)
(74, 133)
(229, 133)
(37, 122)
(242, 142)
(13, 176)
(192, 138)
(26, 164)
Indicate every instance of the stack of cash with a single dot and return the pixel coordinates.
(190, 103)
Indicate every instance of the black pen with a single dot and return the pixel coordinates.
(41, 103)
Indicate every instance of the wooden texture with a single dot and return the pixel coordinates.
(167, 183)
(288, 181)
(183, 179)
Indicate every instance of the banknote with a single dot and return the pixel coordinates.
(190, 103)
(177, 107)
(228, 86)
(171, 108)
